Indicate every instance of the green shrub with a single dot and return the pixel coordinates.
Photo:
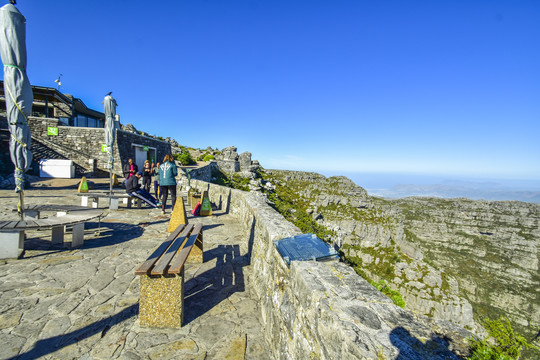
(394, 295)
(234, 181)
(502, 343)
(184, 158)
(208, 157)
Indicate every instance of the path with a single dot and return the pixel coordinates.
(83, 303)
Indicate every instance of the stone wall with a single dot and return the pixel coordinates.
(83, 145)
(324, 310)
(124, 139)
(206, 173)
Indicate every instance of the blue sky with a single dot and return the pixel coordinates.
(439, 87)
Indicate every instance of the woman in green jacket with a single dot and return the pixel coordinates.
(167, 181)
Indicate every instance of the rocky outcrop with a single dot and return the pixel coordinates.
(230, 163)
(451, 259)
(324, 310)
(129, 128)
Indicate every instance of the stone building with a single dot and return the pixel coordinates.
(63, 127)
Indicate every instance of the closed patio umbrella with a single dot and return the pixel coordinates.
(18, 93)
(110, 131)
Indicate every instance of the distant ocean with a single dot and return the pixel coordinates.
(399, 185)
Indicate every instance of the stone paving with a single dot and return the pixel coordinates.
(58, 303)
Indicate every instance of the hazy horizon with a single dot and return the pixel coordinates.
(399, 185)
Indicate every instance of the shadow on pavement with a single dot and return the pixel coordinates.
(208, 289)
(47, 346)
(111, 233)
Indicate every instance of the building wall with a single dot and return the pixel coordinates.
(83, 145)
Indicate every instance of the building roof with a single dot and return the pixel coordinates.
(41, 93)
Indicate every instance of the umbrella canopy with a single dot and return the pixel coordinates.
(17, 89)
(110, 126)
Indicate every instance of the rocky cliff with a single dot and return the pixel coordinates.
(451, 259)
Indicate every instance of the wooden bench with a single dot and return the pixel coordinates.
(162, 277)
(93, 199)
(12, 233)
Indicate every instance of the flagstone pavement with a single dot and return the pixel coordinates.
(58, 303)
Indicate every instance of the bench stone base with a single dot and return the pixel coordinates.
(196, 256)
(161, 302)
(11, 244)
(113, 201)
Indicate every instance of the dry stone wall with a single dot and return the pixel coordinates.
(83, 145)
(324, 310)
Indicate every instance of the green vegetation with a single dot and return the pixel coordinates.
(503, 343)
(234, 181)
(392, 294)
(288, 200)
(184, 158)
(208, 157)
(383, 269)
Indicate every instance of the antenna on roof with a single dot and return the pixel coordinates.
(59, 76)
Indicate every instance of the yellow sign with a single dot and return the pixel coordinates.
(206, 206)
(83, 185)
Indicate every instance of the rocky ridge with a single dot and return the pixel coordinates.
(451, 259)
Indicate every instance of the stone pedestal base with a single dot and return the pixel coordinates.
(57, 235)
(113, 203)
(11, 244)
(77, 236)
(84, 200)
(162, 300)
(196, 254)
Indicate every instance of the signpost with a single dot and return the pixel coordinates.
(52, 131)
(206, 206)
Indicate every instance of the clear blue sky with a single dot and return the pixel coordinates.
(449, 87)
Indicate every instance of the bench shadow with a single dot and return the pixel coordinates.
(111, 233)
(206, 290)
(412, 348)
(44, 347)
(118, 233)
(208, 227)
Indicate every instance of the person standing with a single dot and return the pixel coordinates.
(147, 175)
(130, 169)
(157, 191)
(167, 181)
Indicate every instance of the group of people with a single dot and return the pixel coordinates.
(164, 181)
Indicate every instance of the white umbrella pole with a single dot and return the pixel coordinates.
(21, 205)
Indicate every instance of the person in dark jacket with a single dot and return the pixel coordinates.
(133, 188)
(167, 181)
(130, 169)
(147, 175)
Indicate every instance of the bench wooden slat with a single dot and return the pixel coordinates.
(145, 267)
(31, 223)
(163, 263)
(9, 225)
(178, 263)
(45, 222)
